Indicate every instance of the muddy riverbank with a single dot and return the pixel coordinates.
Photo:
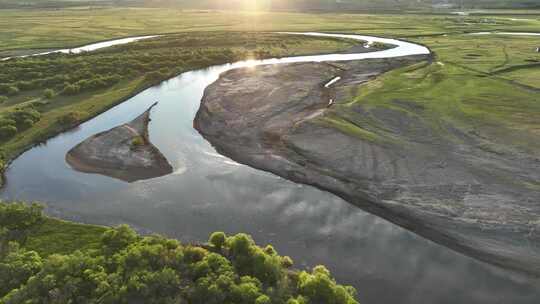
(460, 196)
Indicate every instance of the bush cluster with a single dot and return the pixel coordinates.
(12, 122)
(155, 59)
(72, 118)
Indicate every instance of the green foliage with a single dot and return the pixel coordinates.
(48, 93)
(6, 132)
(217, 240)
(71, 89)
(252, 260)
(17, 218)
(137, 142)
(17, 266)
(9, 90)
(156, 76)
(114, 240)
(127, 268)
(287, 262)
(264, 299)
(3, 98)
(319, 287)
(21, 118)
(71, 119)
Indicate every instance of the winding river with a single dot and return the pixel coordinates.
(209, 192)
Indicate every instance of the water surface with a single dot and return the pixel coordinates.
(209, 192)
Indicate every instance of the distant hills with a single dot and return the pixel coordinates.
(310, 5)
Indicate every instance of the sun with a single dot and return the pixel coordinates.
(254, 5)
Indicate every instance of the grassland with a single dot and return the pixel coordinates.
(56, 236)
(28, 29)
(486, 84)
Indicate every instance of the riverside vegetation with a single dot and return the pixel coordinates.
(45, 260)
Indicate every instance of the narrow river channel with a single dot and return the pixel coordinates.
(208, 192)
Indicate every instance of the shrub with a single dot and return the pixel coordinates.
(71, 119)
(25, 85)
(287, 262)
(48, 93)
(71, 89)
(7, 122)
(17, 218)
(24, 118)
(320, 287)
(17, 267)
(137, 142)
(264, 299)
(157, 75)
(12, 90)
(115, 239)
(25, 124)
(217, 239)
(6, 132)
(3, 98)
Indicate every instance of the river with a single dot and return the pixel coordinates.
(208, 192)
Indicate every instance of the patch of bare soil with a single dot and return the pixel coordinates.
(124, 152)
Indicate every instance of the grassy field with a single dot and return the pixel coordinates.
(24, 29)
(56, 236)
(450, 95)
(485, 84)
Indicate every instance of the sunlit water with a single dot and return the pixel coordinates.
(209, 192)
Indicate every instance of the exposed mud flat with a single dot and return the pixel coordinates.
(476, 201)
(124, 152)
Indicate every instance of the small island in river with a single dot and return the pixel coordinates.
(124, 152)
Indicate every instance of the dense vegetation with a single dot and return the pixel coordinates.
(124, 267)
(41, 96)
